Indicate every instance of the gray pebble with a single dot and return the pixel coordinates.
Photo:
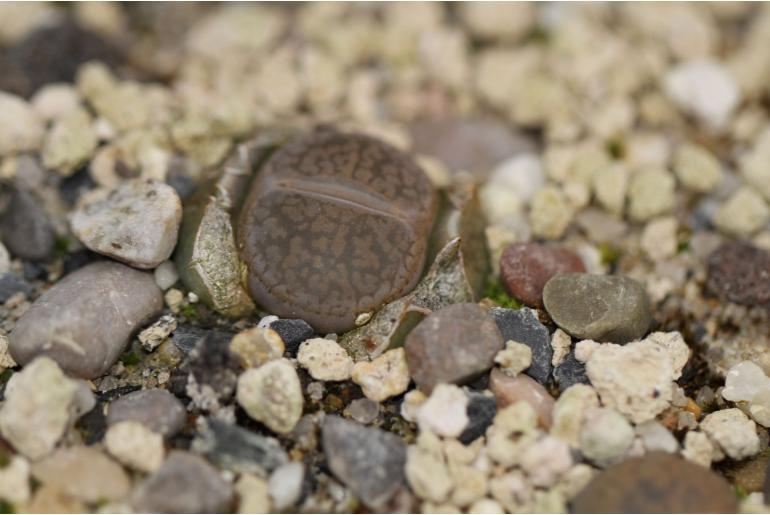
(156, 409)
(368, 461)
(363, 410)
(11, 284)
(234, 448)
(481, 411)
(86, 319)
(25, 228)
(570, 371)
(292, 331)
(452, 345)
(185, 483)
(606, 308)
(523, 326)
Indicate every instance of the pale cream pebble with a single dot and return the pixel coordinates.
(569, 412)
(197, 138)
(444, 54)
(427, 475)
(53, 101)
(512, 491)
(515, 358)
(650, 193)
(458, 453)
(656, 437)
(762, 240)
(384, 377)
(743, 214)
(697, 168)
(574, 480)
(549, 501)
(610, 184)
(561, 343)
(551, 213)
(754, 169)
(486, 505)
(546, 460)
(272, 394)
(153, 336)
(647, 149)
(429, 507)
(253, 494)
(513, 429)
(256, 346)
(174, 299)
(105, 18)
(673, 343)
(584, 349)
(444, 412)
(698, 448)
(470, 484)
(6, 360)
(135, 446)
(605, 436)
(733, 431)
(577, 194)
(499, 202)
(14, 480)
(659, 240)
(411, 404)
(325, 360)
(21, 129)
(507, 22)
(361, 99)
(754, 503)
(437, 172)
(635, 379)
(322, 78)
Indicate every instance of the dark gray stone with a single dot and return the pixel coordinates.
(740, 272)
(481, 411)
(157, 409)
(452, 345)
(25, 229)
(185, 483)
(605, 308)
(368, 461)
(523, 326)
(186, 337)
(11, 284)
(234, 448)
(85, 321)
(212, 364)
(292, 331)
(570, 371)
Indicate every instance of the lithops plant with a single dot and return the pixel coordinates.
(333, 226)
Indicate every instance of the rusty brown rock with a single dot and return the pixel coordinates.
(335, 225)
(452, 345)
(526, 267)
(509, 389)
(657, 482)
(740, 272)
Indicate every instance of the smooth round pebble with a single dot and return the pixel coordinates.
(604, 308)
(509, 390)
(525, 268)
(740, 272)
(657, 482)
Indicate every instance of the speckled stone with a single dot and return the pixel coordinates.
(334, 226)
(155, 408)
(526, 267)
(570, 371)
(598, 307)
(185, 483)
(740, 272)
(452, 345)
(369, 461)
(523, 326)
(86, 319)
(656, 483)
(481, 411)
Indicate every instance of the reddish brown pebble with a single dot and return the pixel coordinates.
(452, 345)
(657, 482)
(335, 225)
(526, 267)
(739, 272)
(509, 389)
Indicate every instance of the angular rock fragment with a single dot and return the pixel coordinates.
(523, 326)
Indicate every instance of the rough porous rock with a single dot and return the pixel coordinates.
(523, 326)
(444, 413)
(305, 221)
(605, 436)
(325, 360)
(733, 431)
(134, 445)
(185, 483)
(598, 307)
(234, 448)
(740, 272)
(21, 129)
(656, 483)
(156, 409)
(40, 405)
(525, 268)
(86, 319)
(452, 345)
(384, 376)
(368, 461)
(83, 473)
(509, 390)
(137, 223)
(25, 228)
(272, 394)
(256, 346)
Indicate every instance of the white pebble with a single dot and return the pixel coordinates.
(286, 485)
(444, 413)
(135, 446)
(705, 89)
(325, 360)
(166, 275)
(733, 431)
(515, 358)
(606, 436)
